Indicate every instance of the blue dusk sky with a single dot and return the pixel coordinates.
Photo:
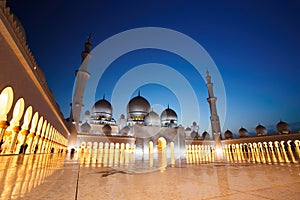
(254, 44)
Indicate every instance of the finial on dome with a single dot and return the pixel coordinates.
(207, 72)
(168, 106)
(139, 93)
(103, 96)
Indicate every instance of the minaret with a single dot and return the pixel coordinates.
(81, 76)
(214, 118)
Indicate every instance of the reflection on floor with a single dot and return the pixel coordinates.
(55, 176)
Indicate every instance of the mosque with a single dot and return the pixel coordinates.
(31, 123)
(30, 116)
(141, 124)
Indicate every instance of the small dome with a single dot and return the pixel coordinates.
(122, 116)
(152, 119)
(283, 127)
(194, 135)
(188, 129)
(228, 134)
(106, 129)
(137, 108)
(168, 114)
(125, 130)
(243, 132)
(102, 107)
(85, 128)
(260, 130)
(205, 135)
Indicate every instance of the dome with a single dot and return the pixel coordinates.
(168, 117)
(137, 108)
(283, 127)
(188, 129)
(260, 130)
(205, 135)
(243, 132)
(102, 106)
(122, 116)
(85, 128)
(228, 134)
(194, 135)
(125, 130)
(106, 129)
(168, 114)
(152, 119)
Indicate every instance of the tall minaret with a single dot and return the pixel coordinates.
(214, 118)
(81, 76)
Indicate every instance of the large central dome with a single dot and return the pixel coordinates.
(137, 108)
(152, 119)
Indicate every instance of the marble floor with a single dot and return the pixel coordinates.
(48, 176)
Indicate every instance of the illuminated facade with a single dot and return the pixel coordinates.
(30, 119)
(142, 128)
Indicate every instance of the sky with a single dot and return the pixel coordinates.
(254, 44)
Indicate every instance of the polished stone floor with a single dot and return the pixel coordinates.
(60, 177)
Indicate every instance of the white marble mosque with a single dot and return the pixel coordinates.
(40, 150)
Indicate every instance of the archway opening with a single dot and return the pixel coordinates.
(82, 147)
(6, 100)
(161, 144)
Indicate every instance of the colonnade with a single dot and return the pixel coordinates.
(34, 134)
(263, 152)
(200, 153)
(106, 154)
(118, 155)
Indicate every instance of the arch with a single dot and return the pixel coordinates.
(83, 145)
(18, 112)
(39, 127)
(95, 145)
(34, 122)
(50, 132)
(150, 146)
(111, 145)
(161, 143)
(47, 130)
(122, 146)
(6, 99)
(27, 118)
(44, 128)
(89, 145)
